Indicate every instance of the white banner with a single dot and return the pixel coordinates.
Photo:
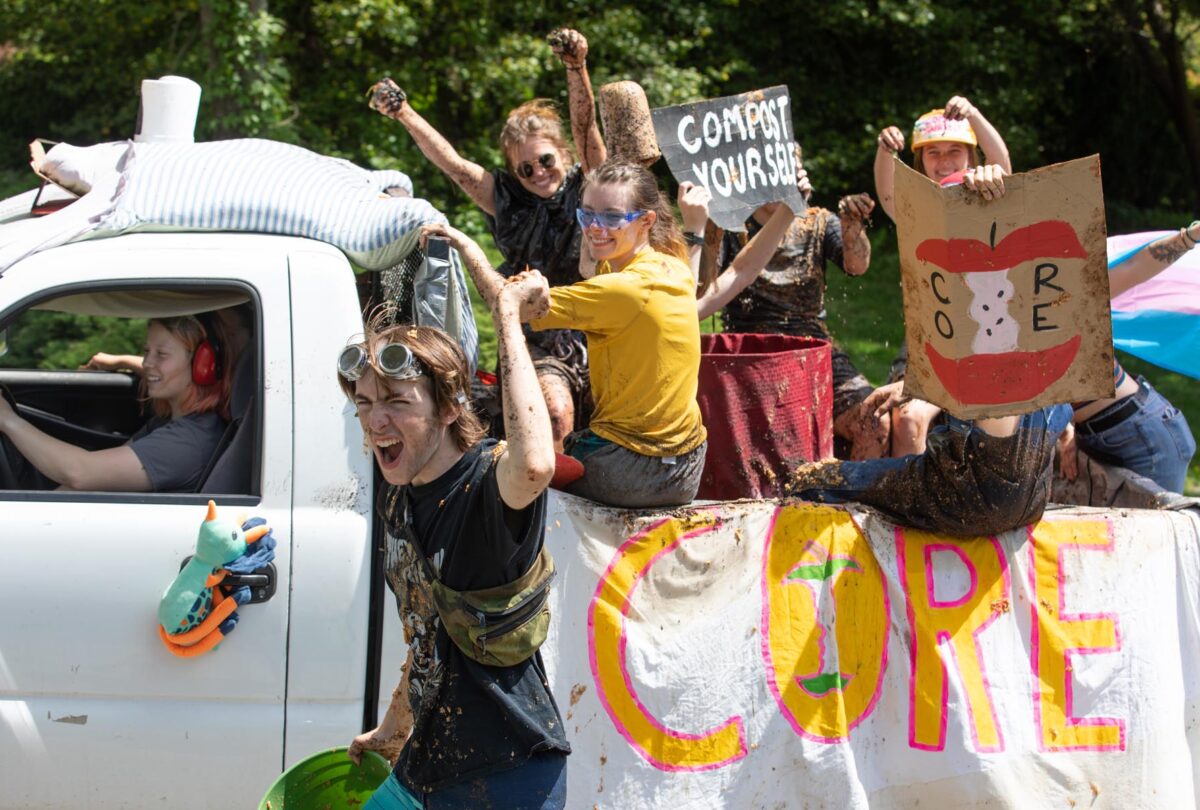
(756, 654)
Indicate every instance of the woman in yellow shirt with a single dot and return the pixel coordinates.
(646, 442)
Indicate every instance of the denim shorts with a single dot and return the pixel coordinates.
(1154, 441)
(539, 784)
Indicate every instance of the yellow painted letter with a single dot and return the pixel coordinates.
(958, 622)
(664, 748)
(821, 579)
(1057, 636)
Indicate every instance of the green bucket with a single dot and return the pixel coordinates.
(328, 780)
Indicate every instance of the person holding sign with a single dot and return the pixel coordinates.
(785, 294)
(646, 443)
(1137, 428)
(975, 477)
(945, 142)
(530, 205)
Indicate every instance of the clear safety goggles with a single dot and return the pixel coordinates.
(395, 360)
(608, 220)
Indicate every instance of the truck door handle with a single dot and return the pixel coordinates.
(260, 581)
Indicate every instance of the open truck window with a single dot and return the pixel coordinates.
(45, 373)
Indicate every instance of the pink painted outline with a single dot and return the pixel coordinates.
(929, 584)
(765, 641)
(1069, 652)
(625, 606)
(942, 637)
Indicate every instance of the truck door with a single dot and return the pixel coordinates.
(94, 711)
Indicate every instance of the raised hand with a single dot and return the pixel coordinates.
(387, 97)
(891, 139)
(570, 46)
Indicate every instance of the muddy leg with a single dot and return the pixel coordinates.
(867, 435)
(910, 426)
(561, 407)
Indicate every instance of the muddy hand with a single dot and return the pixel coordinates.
(856, 207)
(387, 97)
(958, 108)
(570, 46)
(891, 139)
(530, 291)
(455, 237)
(987, 181)
(884, 398)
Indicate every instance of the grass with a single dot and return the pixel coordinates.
(865, 314)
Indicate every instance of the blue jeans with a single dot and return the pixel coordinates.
(539, 784)
(1154, 441)
(967, 482)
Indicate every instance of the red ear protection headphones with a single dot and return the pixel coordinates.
(206, 360)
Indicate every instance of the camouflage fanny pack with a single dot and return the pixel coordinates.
(500, 626)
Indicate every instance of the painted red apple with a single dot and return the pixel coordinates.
(1001, 375)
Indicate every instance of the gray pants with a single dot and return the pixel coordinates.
(615, 476)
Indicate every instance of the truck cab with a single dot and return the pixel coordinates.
(94, 711)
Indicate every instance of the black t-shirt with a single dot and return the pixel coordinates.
(540, 232)
(470, 720)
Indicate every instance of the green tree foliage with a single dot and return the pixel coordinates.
(60, 340)
(1060, 79)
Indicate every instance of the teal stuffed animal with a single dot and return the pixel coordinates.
(195, 614)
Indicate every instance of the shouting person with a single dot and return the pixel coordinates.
(466, 524)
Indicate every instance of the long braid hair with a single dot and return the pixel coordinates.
(665, 235)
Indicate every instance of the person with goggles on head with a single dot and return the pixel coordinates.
(466, 517)
(947, 144)
(530, 207)
(646, 443)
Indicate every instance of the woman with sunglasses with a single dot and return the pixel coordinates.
(646, 442)
(530, 205)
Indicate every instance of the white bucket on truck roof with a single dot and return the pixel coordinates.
(168, 110)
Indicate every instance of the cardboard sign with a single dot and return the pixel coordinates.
(1006, 301)
(740, 148)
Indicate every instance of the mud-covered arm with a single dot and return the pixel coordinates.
(472, 178)
(572, 48)
(527, 465)
(990, 142)
(746, 266)
(854, 211)
(397, 721)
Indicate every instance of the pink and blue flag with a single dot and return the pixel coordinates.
(1159, 320)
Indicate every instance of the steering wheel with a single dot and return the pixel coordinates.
(8, 478)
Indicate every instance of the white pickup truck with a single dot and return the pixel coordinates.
(94, 711)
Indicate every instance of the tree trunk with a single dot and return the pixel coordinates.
(1153, 29)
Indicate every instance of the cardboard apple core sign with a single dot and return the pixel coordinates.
(740, 148)
(1006, 301)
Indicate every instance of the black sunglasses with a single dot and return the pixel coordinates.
(546, 161)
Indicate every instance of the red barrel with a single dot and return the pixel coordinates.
(767, 402)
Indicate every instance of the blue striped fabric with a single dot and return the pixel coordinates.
(270, 187)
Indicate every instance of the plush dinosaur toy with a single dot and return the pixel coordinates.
(196, 612)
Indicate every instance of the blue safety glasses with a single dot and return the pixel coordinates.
(608, 220)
